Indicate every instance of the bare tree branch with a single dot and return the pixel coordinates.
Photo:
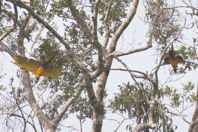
(33, 126)
(68, 103)
(149, 45)
(120, 123)
(36, 38)
(135, 74)
(30, 27)
(124, 24)
(32, 101)
(22, 115)
(125, 65)
(107, 24)
(180, 115)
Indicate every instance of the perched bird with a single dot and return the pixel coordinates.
(173, 59)
(36, 67)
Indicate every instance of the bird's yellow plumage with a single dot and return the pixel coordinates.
(39, 72)
(36, 67)
(173, 61)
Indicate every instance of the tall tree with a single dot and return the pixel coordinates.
(79, 38)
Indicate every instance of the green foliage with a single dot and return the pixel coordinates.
(40, 8)
(189, 94)
(180, 96)
(60, 9)
(59, 90)
(82, 107)
(6, 12)
(188, 53)
(136, 102)
(129, 100)
(116, 14)
(164, 21)
(189, 56)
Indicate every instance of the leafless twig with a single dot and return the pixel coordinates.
(14, 24)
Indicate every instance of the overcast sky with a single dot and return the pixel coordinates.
(144, 61)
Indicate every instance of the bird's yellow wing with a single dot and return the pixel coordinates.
(174, 64)
(52, 72)
(27, 64)
(34, 67)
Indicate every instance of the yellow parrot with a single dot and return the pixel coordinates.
(36, 67)
(173, 60)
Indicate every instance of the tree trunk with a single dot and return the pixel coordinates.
(50, 130)
(194, 124)
(98, 114)
(97, 121)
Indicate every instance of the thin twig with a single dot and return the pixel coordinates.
(180, 115)
(14, 24)
(125, 65)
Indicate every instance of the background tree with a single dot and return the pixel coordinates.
(152, 112)
(83, 36)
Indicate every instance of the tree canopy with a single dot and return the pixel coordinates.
(75, 46)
